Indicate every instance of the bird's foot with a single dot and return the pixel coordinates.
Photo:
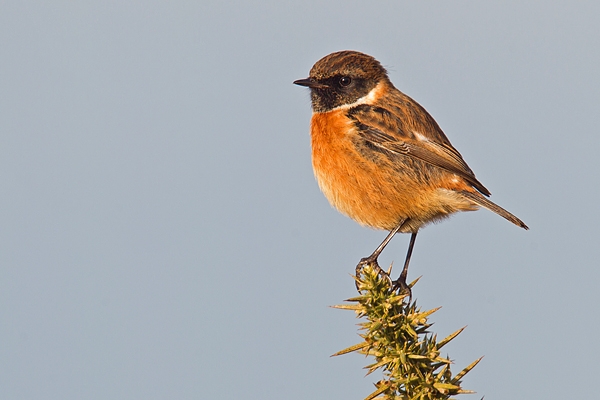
(372, 261)
(402, 287)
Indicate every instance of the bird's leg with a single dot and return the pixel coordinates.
(372, 259)
(400, 283)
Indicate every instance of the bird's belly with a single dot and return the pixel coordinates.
(367, 196)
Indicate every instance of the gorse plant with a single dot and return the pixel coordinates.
(396, 334)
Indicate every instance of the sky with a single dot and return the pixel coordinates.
(162, 234)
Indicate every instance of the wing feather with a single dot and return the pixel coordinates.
(403, 136)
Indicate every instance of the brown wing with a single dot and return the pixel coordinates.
(410, 135)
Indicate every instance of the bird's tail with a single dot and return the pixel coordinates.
(478, 199)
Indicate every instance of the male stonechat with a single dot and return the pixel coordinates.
(380, 158)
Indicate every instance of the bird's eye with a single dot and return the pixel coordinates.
(345, 81)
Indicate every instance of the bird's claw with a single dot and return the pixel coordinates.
(402, 287)
(375, 265)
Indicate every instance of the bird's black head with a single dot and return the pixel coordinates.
(342, 78)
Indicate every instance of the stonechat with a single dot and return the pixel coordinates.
(380, 158)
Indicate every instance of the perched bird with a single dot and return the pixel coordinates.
(380, 158)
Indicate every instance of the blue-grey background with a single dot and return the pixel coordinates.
(162, 235)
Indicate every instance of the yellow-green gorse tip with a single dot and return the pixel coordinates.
(396, 334)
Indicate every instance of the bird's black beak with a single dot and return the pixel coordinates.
(308, 82)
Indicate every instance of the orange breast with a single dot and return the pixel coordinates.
(377, 194)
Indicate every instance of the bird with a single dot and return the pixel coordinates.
(381, 159)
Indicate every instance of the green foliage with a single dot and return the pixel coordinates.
(396, 334)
